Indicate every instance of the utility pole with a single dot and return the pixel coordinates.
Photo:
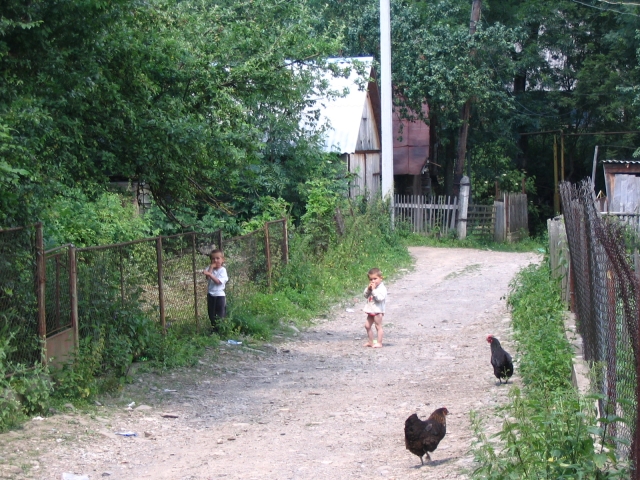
(465, 112)
(386, 183)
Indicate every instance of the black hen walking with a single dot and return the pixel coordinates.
(423, 436)
(501, 360)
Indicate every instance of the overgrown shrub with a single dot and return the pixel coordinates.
(23, 391)
(78, 378)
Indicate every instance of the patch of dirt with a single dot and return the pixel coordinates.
(314, 406)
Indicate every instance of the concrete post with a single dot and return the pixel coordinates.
(463, 206)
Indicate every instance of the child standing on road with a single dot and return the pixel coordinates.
(216, 299)
(376, 293)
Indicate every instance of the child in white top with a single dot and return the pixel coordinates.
(376, 294)
(216, 299)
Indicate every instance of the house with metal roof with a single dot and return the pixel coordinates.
(622, 181)
(352, 122)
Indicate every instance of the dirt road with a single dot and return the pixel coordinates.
(317, 405)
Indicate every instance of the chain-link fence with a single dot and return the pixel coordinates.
(162, 277)
(114, 282)
(606, 290)
(19, 322)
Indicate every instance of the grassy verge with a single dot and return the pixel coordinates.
(479, 242)
(548, 430)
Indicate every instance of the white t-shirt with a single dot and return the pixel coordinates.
(215, 289)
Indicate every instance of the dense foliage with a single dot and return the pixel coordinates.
(548, 430)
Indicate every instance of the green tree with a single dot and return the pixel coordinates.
(201, 100)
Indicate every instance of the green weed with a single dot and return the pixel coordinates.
(24, 391)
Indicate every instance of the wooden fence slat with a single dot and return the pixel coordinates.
(426, 213)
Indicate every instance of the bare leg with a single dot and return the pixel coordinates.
(378, 320)
(367, 325)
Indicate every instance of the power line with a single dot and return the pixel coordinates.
(606, 9)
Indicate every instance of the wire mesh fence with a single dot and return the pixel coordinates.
(19, 322)
(58, 302)
(606, 295)
(116, 281)
(108, 287)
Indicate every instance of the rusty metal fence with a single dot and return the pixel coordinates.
(43, 294)
(606, 292)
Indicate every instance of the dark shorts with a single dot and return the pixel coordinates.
(217, 309)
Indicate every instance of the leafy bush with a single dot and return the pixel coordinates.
(34, 389)
(109, 218)
(78, 378)
(24, 392)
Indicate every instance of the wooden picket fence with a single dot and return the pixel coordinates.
(427, 214)
(506, 220)
(511, 218)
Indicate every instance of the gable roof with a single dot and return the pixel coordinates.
(343, 115)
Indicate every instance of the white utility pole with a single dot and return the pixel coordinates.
(386, 101)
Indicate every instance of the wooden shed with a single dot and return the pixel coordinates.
(622, 181)
(352, 122)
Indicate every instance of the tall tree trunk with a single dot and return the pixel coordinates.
(449, 166)
(463, 133)
(434, 142)
(519, 86)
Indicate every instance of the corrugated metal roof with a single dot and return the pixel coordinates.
(636, 162)
(343, 115)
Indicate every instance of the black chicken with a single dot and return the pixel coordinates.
(501, 360)
(423, 436)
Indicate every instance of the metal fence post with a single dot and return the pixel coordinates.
(41, 288)
(195, 280)
(268, 252)
(285, 236)
(56, 315)
(73, 294)
(121, 276)
(160, 284)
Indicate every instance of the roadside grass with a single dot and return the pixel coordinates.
(548, 430)
(529, 244)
